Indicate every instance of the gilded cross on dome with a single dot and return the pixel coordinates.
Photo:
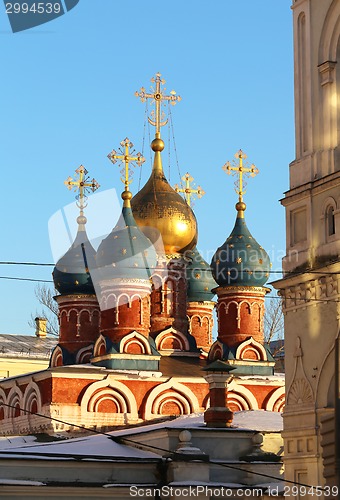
(83, 185)
(188, 190)
(157, 95)
(242, 171)
(126, 156)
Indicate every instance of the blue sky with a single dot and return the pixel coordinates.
(67, 98)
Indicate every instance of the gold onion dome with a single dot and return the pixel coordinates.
(160, 211)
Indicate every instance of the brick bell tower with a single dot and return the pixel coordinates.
(200, 306)
(78, 306)
(241, 268)
(125, 262)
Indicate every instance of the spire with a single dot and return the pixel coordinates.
(188, 189)
(81, 184)
(242, 171)
(126, 157)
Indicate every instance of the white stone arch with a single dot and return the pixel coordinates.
(72, 310)
(124, 397)
(137, 338)
(157, 281)
(56, 355)
(330, 34)
(241, 393)
(174, 388)
(3, 400)
(84, 354)
(15, 397)
(32, 392)
(109, 301)
(254, 346)
(171, 397)
(217, 347)
(62, 313)
(123, 298)
(275, 398)
(326, 373)
(85, 310)
(172, 333)
(100, 342)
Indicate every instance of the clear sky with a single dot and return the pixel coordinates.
(67, 98)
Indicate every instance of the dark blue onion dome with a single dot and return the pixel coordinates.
(71, 274)
(240, 261)
(200, 281)
(126, 252)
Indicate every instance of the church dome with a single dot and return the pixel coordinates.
(71, 274)
(240, 261)
(126, 252)
(200, 281)
(160, 211)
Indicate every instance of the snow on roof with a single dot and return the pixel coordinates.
(100, 446)
(252, 420)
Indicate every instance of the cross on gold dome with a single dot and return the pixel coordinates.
(126, 157)
(242, 171)
(158, 97)
(188, 190)
(83, 185)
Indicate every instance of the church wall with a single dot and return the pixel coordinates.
(311, 298)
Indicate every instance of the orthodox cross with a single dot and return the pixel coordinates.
(83, 185)
(188, 190)
(242, 171)
(157, 97)
(126, 157)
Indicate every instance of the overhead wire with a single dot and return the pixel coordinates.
(137, 444)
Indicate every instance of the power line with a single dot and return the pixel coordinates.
(12, 263)
(24, 279)
(277, 271)
(119, 439)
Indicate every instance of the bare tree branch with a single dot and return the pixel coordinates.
(49, 309)
(273, 323)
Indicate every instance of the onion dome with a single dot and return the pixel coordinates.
(200, 281)
(160, 211)
(71, 274)
(126, 252)
(240, 261)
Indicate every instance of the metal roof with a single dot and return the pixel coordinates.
(26, 346)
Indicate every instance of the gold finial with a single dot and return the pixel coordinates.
(157, 97)
(126, 157)
(242, 171)
(82, 185)
(188, 190)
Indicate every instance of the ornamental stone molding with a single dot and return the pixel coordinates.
(300, 390)
(307, 294)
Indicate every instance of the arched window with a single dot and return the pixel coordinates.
(330, 221)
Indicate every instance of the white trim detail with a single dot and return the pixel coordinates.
(138, 338)
(175, 390)
(172, 333)
(274, 398)
(256, 347)
(238, 390)
(117, 391)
